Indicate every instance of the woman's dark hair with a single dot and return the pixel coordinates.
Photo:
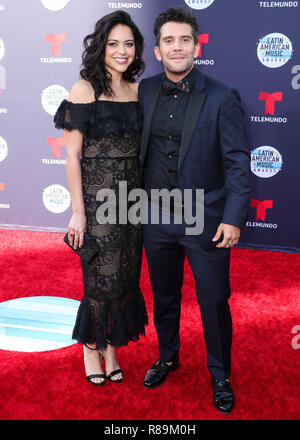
(179, 14)
(93, 56)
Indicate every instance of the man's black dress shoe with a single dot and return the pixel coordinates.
(223, 397)
(158, 372)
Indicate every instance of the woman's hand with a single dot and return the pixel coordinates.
(76, 230)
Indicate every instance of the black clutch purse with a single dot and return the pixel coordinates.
(88, 250)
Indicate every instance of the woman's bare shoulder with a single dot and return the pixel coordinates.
(82, 92)
(134, 87)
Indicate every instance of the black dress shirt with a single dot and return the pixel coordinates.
(161, 170)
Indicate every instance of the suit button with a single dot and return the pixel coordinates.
(170, 156)
(171, 116)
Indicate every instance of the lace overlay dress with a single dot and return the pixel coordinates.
(112, 309)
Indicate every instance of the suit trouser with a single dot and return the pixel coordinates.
(166, 247)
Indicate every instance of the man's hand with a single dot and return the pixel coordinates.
(231, 235)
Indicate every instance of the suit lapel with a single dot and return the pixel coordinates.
(195, 105)
(148, 115)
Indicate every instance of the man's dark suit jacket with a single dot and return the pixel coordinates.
(214, 154)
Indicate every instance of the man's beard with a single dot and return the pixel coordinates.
(183, 70)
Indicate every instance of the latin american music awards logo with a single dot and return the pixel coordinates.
(2, 79)
(3, 149)
(56, 198)
(2, 75)
(55, 5)
(266, 161)
(2, 49)
(52, 97)
(274, 50)
(199, 4)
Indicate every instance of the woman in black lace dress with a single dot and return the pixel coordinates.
(102, 121)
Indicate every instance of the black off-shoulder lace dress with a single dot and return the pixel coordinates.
(112, 309)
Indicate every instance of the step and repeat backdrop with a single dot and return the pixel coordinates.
(251, 45)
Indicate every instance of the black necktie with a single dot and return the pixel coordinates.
(170, 88)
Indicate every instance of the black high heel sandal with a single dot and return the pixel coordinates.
(96, 376)
(113, 373)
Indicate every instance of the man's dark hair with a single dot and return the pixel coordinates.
(179, 14)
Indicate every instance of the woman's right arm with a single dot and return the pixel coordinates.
(82, 93)
(73, 144)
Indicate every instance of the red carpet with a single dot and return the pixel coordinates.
(52, 385)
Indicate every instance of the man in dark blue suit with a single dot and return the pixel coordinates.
(194, 137)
